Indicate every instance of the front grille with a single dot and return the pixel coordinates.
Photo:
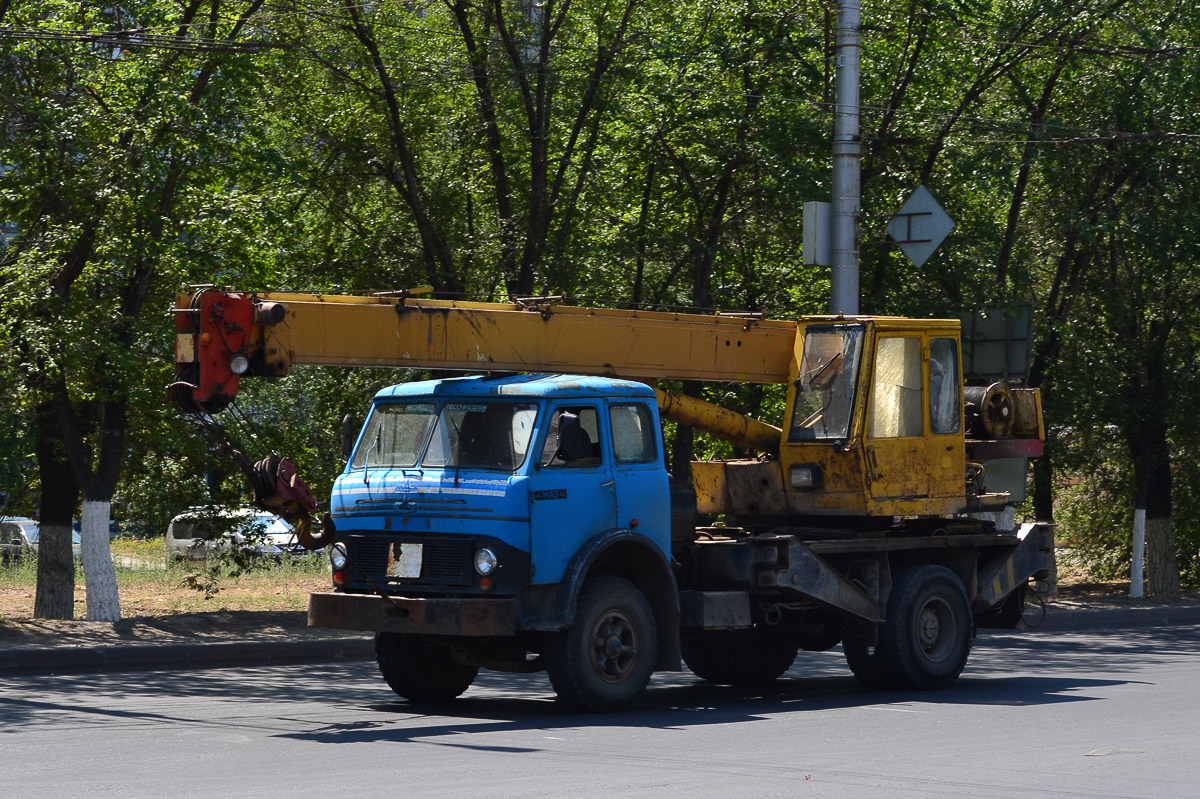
(443, 561)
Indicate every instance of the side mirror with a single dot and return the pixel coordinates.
(349, 434)
(573, 442)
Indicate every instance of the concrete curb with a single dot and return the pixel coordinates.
(124, 657)
(1059, 619)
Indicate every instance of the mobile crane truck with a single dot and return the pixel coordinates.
(523, 518)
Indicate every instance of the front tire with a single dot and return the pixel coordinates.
(603, 662)
(421, 670)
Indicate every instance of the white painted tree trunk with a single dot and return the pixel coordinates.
(103, 602)
(1139, 553)
(1162, 558)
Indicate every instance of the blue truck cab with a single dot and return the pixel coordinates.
(475, 516)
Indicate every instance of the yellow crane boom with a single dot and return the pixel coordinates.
(275, 331)
(534, 337)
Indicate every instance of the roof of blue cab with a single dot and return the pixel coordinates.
(538, 386)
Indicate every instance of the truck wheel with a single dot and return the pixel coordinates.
(421, 670)
(867, 664)
(927, 637)
(739, 657)
(603, 662)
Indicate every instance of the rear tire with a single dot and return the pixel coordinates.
(928, 635)
(603, 662)
(867, 664)
(421, 670)
(739, 657)
(926, 639)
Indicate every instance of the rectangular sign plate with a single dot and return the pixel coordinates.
(404, 561)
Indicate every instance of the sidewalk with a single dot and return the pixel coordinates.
(207, 640)
(199, 640)
(1112, 613)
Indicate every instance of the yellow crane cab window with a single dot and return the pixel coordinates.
(945, 387)
(825, 388)
(897, 405)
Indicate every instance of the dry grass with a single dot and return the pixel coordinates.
(148, 588)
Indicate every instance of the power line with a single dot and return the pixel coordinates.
(454, 74)
(139, 38)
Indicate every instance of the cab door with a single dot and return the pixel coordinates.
(897, 458)
(572, 495)
(947, 452)
(642, 485)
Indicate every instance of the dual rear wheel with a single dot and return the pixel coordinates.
(926, 639)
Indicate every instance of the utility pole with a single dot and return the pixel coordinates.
(847, 159)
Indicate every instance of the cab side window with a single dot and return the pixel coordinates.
(634, 433)
(897, 409)
(573, 438)
(945, 387)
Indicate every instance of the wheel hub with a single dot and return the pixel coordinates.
(936, 629)
(614, 647)
(929, 628)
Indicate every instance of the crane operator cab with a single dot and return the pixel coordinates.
(877, 426)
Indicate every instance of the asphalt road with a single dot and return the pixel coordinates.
(1091, 715)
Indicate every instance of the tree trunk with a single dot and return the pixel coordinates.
(54, 596)
(1151, 455)
(1162, 570)
(99, 483)
(1161, 565)
(103, 603)
(683, 448)
(1043, 510)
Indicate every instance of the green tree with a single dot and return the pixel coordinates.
(113, 133)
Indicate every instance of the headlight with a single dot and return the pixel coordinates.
(485, 561)
(804, 477)
(238, 364)
(337, 557)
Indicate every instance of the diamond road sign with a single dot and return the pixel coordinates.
(920, 226)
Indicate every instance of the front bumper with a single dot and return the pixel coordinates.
(450, 616)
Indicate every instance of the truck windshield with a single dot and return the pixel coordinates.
(825, 388)
(395, 434)
(487, 435)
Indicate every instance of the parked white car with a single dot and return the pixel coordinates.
(199, 532)
(19, 534)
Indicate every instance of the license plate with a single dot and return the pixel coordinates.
(404, 561)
